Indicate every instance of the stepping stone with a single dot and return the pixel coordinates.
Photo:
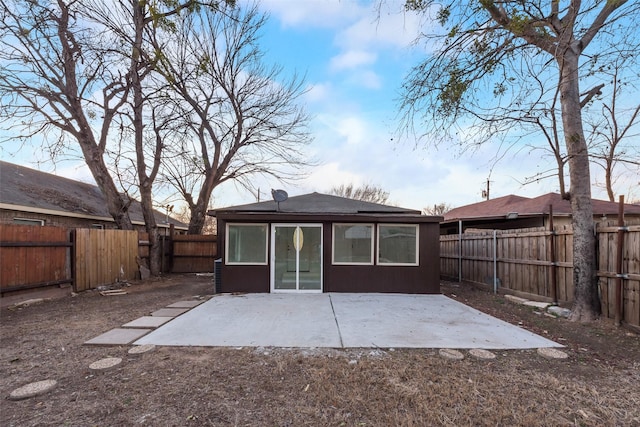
(448, 353)
(33, 389)
(140, 349)
(119, 336)
(184, 304)
(147, 322)
(537, 304)
(105, 364)
(516, 299)
(480, 353)
(552, 353)
(169, 312)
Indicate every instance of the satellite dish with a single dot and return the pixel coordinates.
(279, 196)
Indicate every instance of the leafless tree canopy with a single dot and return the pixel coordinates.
(241, 117)
(438, 209)
(366, 193)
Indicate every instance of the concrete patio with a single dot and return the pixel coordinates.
(340, 320)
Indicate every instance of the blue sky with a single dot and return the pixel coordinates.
(354, 66)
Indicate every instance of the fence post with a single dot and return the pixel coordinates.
(495, 262)
(459, 250)
(619, 254)
(72, 260)
(552, 256)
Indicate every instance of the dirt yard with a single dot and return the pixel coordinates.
(598, 385)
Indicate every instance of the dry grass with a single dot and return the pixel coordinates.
(306, 387)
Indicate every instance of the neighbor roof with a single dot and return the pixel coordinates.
(317, 203)
(22, 188)
(525, 206)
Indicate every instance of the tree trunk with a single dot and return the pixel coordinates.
(199, 210)
(196, 223)
(145, 181)
(587, 305)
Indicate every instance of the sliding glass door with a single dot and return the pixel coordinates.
(296, 258)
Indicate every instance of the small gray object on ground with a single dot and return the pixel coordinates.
(169, 312)
(145, 273)
(480, 353)
(184, 304)
(33, 389)
(119, 336)
(448, 353)
(140, 349)
(147, 322)
(559, 311)
(106, 363)
(552, 353)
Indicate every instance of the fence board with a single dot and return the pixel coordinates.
(104, 256)
(193, 253)
(524, 264)
(32, 256)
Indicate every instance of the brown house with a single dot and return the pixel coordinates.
(321, 243)
(32, 197)
(510, 212)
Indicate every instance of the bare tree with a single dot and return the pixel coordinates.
(437, 209)
(85, 65)
(612, 134)
(57, 85)
(484, 45)
(366, 193)
(241, 116)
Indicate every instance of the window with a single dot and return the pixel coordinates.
(353, 244)
(246, 244)
(98, 226)
(28, 221)
(398, 244)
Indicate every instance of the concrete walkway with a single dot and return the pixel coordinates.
(340, 320)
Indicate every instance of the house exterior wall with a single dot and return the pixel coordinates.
(423, 278)
(7, 217)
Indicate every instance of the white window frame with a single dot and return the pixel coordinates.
(266, 245)
(333, 243)
(391, 264)
(36, 222)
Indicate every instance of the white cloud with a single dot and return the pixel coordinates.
(352, 59)
(312, 13)
(388, 30)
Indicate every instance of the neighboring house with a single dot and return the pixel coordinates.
(513, 211)
(29, 196)
(321, 243)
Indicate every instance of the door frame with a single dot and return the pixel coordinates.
(272, 258)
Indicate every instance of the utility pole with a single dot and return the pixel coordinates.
(485, 192)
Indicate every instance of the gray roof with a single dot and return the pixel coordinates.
(317, 203)
(22, 186)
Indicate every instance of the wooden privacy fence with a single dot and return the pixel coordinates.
(33, 257)
(104, 256)
(539, 262)
(192, 253)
